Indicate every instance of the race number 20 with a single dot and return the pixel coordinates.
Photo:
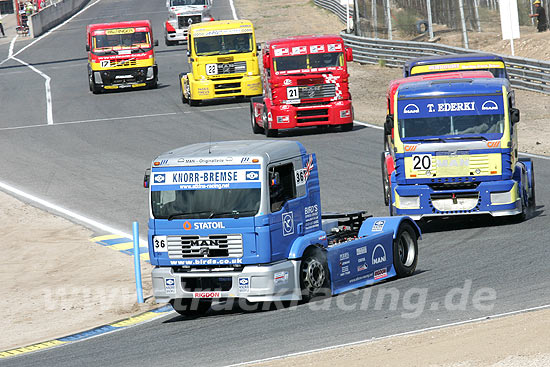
(422, 162)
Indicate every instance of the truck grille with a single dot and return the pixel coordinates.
(317, 91)
(312, 115)
(185, 21)
(214, 245)
(232, 67)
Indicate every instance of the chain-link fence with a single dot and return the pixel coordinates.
(409, 19)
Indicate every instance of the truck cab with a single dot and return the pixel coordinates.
(305, 83)
(183, 13)
(242, 219)
(121, 55)
(456, 152)
(387, 160)
(223, 62)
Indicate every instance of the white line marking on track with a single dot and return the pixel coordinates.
(382, 128)
(233, 11)
(458, 323)
(49, 107)
(93, 120)
(66, 212)
(12, 44)
(219, 109)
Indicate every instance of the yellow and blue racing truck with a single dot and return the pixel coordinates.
(223, 61)
(454, 150)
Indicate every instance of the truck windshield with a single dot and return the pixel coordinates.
(224, 44)
(495, 67)
(187, 2)
(451, 125)
(308, 61)
(204, 204)
(112, 43)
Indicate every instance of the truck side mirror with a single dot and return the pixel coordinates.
(146, 177)
(188, 53)
(388, 125)
(88, 48)
(514, 115)
(258, 46)
(266, 61)
(349, 54)
(156, 43)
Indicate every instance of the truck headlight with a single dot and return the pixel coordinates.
(409, 202)
(97, 77)
(501, 197)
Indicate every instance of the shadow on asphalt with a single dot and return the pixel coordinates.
(474, 221)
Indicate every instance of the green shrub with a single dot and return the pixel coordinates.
(405, 21)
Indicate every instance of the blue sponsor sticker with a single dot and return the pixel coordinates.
(170, 286)
(159, 178)
(244, 284)
(252, 175)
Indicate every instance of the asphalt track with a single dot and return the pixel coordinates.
(91, 161)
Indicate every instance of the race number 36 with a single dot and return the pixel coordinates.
(160, 243)
(422, 161)
(105, 63)
(292, 93)
(211, 69)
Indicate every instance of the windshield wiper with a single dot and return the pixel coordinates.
(138, 47)
(209, 53)
(426, 139)
(477, 137)
(172, 216)
(235, 213)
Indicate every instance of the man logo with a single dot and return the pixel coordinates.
(160, 178)
(380, 256)
(489, 106)
(252, 175)
(411, 108)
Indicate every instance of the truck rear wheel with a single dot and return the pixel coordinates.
(169, 43)
(405, 250)
(314, 275)
(191, 306)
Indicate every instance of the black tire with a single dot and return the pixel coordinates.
(191, 306)
(194, 102)
(405, 250)
(255, 128)
(270, 133)
(314, 275)
(385, 179)
(154, 84)
(532, 200)
(390, 204)
(93, 88)
(346, 127)
(169, 43)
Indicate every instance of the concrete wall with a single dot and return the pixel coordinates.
(54, 15)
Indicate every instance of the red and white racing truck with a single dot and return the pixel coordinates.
(305, 83)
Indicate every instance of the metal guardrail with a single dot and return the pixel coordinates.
(528, 74)
(336, 7)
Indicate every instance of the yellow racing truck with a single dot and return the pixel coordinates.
(223, 62)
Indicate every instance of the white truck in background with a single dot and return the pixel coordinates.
(181, 14)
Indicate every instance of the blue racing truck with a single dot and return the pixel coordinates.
(242, 219)
(453, 148)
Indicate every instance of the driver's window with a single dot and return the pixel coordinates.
(282, 186)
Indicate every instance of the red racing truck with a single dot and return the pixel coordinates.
(305, 83)
(121, 55)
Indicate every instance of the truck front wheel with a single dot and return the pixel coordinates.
(385, 179)
(191, 306)
(314, 275)
(255, 128)
(405, 250)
